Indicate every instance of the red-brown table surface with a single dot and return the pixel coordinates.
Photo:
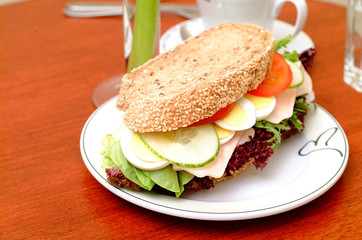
(49, 66)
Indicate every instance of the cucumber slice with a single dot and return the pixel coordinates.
(185, 147)
(298, 76)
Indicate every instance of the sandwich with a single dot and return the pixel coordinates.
(206, 110)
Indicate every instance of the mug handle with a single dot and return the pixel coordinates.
(302, 13)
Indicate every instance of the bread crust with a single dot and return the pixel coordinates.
(197, 78)
(233, 173)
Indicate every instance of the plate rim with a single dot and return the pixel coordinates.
(132, 196)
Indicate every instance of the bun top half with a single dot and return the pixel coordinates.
(196, 78)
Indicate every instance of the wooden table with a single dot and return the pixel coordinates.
(49, 67)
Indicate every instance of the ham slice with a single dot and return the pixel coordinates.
(217, 167)
(283, 107)
(245, 137)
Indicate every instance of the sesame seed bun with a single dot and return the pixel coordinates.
(197, 78)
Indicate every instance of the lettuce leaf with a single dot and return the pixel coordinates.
(275, 129)
(147, 183)
(183, 178)
(282, 42)
(129, 171)
(299, 106)
(165, 177)
(293, 57)
(107, 162)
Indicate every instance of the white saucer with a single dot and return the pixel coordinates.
(304, 167)
(281, 29)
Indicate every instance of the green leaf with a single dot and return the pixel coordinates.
(299, 106)
(147, 183)
(183, 178)
(165, 177)
(275, 129)
(296, 122)
(107, 162)
(108, 141)
(293, 57)
(128, 170)
(282, 42)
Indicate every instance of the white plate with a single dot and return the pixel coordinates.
(172, 37)
(303, 168)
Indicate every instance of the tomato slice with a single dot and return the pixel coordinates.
(223, 112)
(277, 79)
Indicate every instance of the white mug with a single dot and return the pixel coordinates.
(260, 12)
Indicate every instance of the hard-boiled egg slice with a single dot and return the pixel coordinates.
(241, 117)
(223, 134)
(142, 151)
(263, 105)
(137, 153)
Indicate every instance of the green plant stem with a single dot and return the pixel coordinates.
(145, 34)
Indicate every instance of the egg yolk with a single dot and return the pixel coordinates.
(142, 151)
(259, 102)
(237, 117)
(222, 133)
